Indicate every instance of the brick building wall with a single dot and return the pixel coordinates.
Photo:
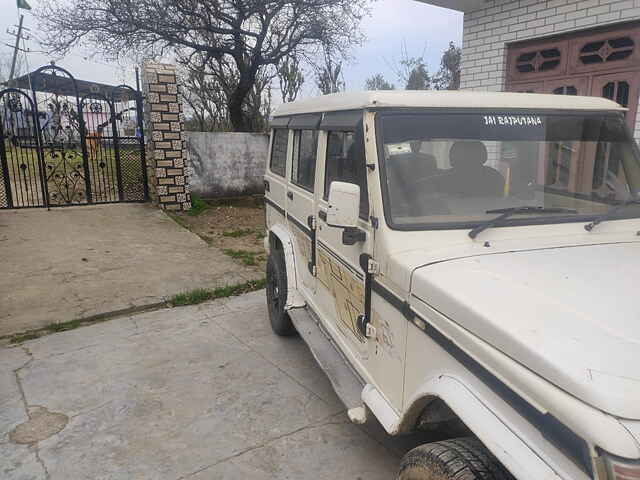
(167, 171)
(488, 31)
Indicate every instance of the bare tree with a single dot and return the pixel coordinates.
(204, 104)
(206, 89)
(5, 66)
(247, 34)
(448, 77)
(378, 82)
(291, 78)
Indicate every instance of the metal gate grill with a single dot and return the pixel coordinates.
(70, 142)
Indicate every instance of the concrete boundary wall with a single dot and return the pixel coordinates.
(226, 164)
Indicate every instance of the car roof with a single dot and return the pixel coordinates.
(443, 99)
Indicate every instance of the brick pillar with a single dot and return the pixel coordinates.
(167, 172)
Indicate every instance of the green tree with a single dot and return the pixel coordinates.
(448, 77)
(419, 78)
(412, 72)
(378, 82)
(329, 78)
(291, 78)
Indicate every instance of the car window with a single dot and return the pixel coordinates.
(460, 168)
(279, 151)
(346, 163)
(305, 146)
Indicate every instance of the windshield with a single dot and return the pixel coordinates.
(448, 170)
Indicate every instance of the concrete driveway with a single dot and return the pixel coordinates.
(202, 392)
(79, 262)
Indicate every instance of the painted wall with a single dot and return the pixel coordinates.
(487, 32)
(227, 164)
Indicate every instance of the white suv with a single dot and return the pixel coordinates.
(467, 262)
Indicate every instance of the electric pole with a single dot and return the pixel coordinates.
(16, 48)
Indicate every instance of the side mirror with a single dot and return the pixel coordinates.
(344, 205)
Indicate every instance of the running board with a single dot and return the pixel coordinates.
(345, 381)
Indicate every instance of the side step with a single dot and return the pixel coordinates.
(344, 379)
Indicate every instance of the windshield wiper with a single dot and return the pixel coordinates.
(508, 212)
(611, 213)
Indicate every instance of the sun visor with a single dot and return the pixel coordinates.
(306, 122)
(342, 121)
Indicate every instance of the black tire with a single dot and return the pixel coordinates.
(458, 459)
(277, 295)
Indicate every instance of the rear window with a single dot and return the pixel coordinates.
(279, 151)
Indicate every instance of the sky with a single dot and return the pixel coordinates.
(424, 28)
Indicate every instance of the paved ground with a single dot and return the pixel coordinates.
(204, 392)
(78, 262)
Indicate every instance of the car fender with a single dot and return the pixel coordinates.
(478, 416)
(294, 299)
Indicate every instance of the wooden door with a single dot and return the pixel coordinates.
(603, 62)
(567, 86)
(622, 88)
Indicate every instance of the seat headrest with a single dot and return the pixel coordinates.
(468, 154)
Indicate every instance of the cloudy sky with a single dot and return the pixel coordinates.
(424, 29)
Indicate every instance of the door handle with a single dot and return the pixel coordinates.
(323, 215)
(267, 186)
(290, 195)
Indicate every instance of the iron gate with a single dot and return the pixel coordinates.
(70, 142)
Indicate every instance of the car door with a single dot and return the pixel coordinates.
(340, 279)
(301, 201)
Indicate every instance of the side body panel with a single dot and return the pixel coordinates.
(387, 349)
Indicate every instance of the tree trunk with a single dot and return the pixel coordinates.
(239, 119)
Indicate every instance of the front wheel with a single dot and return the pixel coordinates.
(458, 459)
(277, 295)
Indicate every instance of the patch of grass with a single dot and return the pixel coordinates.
(254, 201)
(23, 337)
(178, 219)
(201, 295)
(193, 297)
(198, 205)
(244, 232)
(63, 326)
(250, 259)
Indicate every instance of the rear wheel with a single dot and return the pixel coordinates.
(277, 295)
(458, 459)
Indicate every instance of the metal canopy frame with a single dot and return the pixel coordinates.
(40, 81)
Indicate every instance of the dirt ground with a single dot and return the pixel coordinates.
(235, 226)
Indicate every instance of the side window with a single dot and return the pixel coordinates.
(346, 163)
(279, 151)
(305, 148)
